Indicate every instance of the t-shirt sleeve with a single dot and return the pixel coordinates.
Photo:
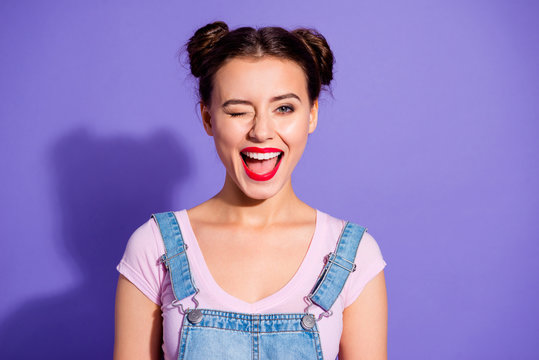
(140, 262)
(369, 262)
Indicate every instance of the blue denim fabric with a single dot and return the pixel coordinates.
(175, 258)
(230, 335)
(338, 266)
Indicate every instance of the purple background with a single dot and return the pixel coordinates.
(430, 140)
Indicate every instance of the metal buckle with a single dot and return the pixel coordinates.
(331, 258)
(309, 302)
(177, 303)
(166, 261)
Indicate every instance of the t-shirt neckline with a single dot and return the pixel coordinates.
(201, 268)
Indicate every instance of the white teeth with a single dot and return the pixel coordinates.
(261, 156)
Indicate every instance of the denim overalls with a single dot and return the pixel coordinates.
(214, 334)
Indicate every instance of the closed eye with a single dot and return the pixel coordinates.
(236, 114)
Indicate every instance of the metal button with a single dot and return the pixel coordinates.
(194, 316)
(307, 321)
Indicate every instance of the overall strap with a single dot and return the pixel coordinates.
(175, 257)
(338, 267)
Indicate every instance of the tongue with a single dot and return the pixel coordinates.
(261, 166)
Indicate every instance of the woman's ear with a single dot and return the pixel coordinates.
(313, 117)
(206, 119)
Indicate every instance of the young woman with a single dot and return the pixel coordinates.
(253, 272)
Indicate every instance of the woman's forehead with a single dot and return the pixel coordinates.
(259, 78)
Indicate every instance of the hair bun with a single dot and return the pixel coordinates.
(201, 43)
(320, 51)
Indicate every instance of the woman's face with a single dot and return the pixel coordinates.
(260, 118)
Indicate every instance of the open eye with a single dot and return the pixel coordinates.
(285, 109)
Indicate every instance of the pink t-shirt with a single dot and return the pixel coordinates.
(140, 264)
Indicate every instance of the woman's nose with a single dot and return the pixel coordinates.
(262, 128)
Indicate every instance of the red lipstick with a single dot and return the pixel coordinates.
(268, 175)
(260, 150)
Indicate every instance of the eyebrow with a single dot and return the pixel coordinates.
(246, 102)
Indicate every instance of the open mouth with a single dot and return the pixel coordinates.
(261, 164)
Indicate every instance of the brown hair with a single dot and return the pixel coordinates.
(213, 44)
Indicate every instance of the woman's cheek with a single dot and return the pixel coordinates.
(296, 132)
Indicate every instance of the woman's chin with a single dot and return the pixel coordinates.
(255, 189)
(259, 192)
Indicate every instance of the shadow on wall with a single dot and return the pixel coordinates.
(106, 188)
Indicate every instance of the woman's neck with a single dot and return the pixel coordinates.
(231, 205)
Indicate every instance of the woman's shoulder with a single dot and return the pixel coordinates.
(368, 250)
(145, 238)
(369, 259)
(329, 226)
(140, 262)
